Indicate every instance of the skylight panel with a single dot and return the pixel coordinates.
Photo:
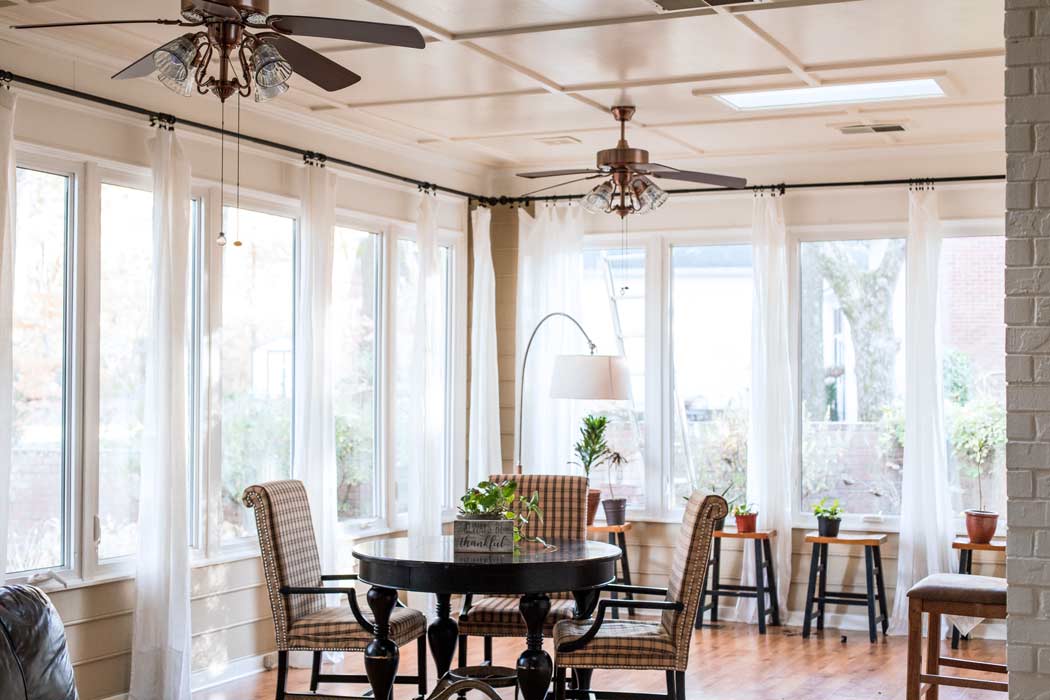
(853, 93)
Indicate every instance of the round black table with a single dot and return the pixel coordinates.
(430, 565)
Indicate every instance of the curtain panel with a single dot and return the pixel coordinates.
(161, 650)
(483, 455)
(550, 260)
(926, 524)
(8, 201)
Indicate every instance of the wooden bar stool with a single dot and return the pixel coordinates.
(765, 579)
(966, 549)
(950, 594)
(818, 593)
(617, 535)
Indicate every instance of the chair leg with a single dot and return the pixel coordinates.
(315, 671)
(488, 650)
(880, 587)
(760, 588)
(679, 683)
(869, 582)
(282, 674)
(462, 650)
(811, 589)
(822, 586)
(672, 689)
(914, 649)
(933, 652)
(771, 582)
(421, 665)
(559, 683)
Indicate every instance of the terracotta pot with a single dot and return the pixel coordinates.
(746, 523)
(828, 527)
(980, 525)
(594, 497)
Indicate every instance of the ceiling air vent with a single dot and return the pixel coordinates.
(559, 140)
(851, 129)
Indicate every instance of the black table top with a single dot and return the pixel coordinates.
(429, 564)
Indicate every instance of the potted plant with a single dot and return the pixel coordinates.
(590, 451)
(746, 517)
(978, 430)
(829, 518)
(488, 521)
(615, 508)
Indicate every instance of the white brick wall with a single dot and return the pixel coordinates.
(1027, 30)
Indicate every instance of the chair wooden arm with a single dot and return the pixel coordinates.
(350, 593)
(339, 577)
(599, 617)
(468, 600)
(637, 590)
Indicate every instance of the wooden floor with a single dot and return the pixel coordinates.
(732, 662)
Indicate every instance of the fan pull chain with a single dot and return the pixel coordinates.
(221, 240)
(237, 242)
(623, 256)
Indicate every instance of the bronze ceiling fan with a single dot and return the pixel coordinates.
(253, 48)
(628, 189)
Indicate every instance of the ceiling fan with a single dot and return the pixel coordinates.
(243, 32)
(628, 189)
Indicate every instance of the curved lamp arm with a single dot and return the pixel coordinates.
(524, 364)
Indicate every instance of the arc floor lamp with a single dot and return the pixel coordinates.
(587, 377)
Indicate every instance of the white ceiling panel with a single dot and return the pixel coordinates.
(460, 16)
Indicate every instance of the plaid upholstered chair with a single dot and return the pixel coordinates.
(563, 500)
(296, 586)
(658, 644)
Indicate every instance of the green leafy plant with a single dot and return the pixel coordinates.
(497, 500)
(592, 449)
(743, 509)
(831, 512)
(977, 431)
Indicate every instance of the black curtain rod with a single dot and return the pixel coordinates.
(172, 120)
(311, 156)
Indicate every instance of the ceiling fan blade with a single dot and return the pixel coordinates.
(562, 184)
(319, 70)
(98, 22)
(666, 171)
(560, 173)
(349, 30)
(217, 9)
(139, 69)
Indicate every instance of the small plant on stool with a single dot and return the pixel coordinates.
(746, 516)
(828, 517)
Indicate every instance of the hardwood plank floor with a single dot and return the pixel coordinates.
(732, 662)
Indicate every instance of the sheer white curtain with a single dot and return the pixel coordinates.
(771, 442)
(550, 261)
(926, 530)
(484, 449)
(313, 461)
(160, 657)
(7, 272)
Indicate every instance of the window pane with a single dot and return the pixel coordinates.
(258, 289)
(972, 331)
(405, 429)
(37, 526)
(852, 355)
(614, 316)
(125, 291)
(354, 319)
(711, 289)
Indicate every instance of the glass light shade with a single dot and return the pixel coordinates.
(180, 87)
(174, 63)
(262, 94)
(599, 200)
(647, 194)
(271, 69)
(592, 377)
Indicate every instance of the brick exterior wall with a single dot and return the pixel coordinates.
(1027, 28)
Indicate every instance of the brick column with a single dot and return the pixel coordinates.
(1027, 29)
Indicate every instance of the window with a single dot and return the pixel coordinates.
(613, 313)
(125, 290)
(39, 528)
(972, 302)
(711, 289)
(258, 292)
(405, 430)
(355, 332)
(852, 373)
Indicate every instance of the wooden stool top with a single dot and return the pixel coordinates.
(993, 546)
(757, 535)
(595, 529)
(867, 540)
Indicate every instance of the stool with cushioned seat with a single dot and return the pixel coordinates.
(950, 594)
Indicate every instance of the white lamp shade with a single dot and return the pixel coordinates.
(595, 377)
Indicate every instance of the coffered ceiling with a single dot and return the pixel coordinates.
(519, 83)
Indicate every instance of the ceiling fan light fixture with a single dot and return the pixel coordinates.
(647, 194)
(256, 19)
(174, 62)
(193, 15)
(599, 200)
(271, 68)
(265, 94)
